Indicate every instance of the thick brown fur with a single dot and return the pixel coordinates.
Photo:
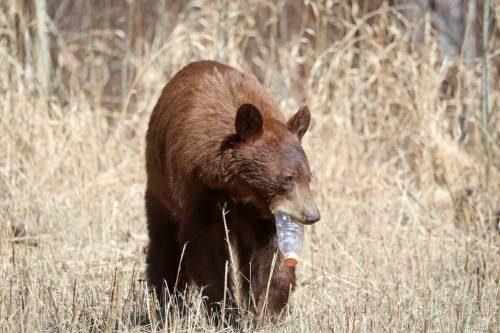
(216, 139)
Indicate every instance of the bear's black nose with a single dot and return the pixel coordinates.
(312, 217)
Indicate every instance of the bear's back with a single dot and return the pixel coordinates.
(214, 90)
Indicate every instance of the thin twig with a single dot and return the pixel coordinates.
(485, 110)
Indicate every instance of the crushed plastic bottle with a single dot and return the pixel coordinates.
(290, 238)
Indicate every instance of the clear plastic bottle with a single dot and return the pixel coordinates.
(290, 238)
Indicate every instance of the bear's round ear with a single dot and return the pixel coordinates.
(299, 122)
(248, 121)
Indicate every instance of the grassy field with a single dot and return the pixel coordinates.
(407, 240)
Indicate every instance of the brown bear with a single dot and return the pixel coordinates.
(216, 139)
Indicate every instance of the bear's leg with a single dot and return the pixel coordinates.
(271, 294)
(163, 254)
(205, 263)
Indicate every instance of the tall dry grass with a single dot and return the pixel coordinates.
(406, 241)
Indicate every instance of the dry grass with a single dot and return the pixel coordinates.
(401, 245)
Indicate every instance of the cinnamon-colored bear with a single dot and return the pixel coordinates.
(216, 140)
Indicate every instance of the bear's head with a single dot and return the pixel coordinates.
(271, 169)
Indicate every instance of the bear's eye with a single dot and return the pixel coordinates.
(289, 177)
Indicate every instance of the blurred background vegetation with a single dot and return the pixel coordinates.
(106, 40)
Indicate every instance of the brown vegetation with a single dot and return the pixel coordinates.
(393, 166)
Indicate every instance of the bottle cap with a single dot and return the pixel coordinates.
(291, 259)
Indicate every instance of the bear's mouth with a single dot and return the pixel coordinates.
(281, 214)
(298, 205)
(306, 216)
